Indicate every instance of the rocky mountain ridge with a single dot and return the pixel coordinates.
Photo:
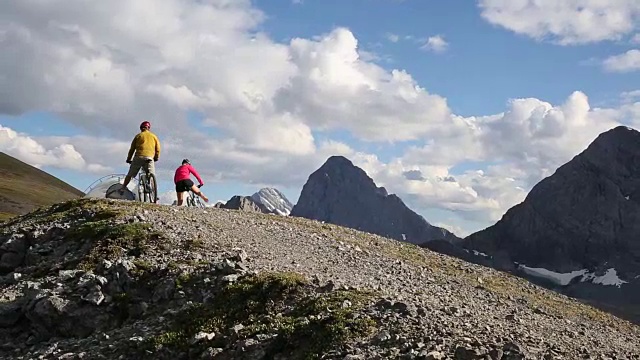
(265, 200)
(343, 194)
(243, 203)
(577, 230)
(273, 200)
(104, 279)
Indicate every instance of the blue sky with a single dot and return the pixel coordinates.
(253, 113)
(485, 65)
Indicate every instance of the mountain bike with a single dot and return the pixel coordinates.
(147, 185)
(194, 200)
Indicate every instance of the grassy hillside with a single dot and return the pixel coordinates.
(24, 188)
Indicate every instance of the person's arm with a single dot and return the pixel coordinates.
(195, 173)
(157, 148)
(132, 148)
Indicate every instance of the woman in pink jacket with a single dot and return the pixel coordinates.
(183, 182)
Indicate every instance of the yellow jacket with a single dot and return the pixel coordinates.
(145, 144)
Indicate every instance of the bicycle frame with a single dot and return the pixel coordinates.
(144, 186)
(194, 200)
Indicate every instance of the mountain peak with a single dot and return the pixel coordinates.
(267, 200)
(338, 160)
(343, 194)
(602, 182)
(620, 130)
(338, 168)
(273, 200)
(584, 217)
(615, 137)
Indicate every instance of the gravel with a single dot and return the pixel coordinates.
(58, 301)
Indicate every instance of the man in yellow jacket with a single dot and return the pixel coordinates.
(146, 147)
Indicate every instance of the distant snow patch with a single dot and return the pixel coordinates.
(609, 278)
(558, 278)
(478, 253)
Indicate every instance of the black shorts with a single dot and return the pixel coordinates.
(184, 185)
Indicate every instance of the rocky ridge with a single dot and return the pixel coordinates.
(110, 279)
(273, 200)
(266, 200)
(243, 203)
(583, 220)
(343, 194)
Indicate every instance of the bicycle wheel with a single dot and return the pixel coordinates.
(142, 196)
(153, 189)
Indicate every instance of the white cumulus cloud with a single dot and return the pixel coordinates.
(626, 62)
(524, 144)
(436, 44)
(566, 22)
(392, 37)
(61, 155)
(267, 111)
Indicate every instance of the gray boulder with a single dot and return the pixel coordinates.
(12, 252)
(54, 315)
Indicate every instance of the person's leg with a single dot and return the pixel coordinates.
(180, 195)
(133, 171)
(180, 190)
(127, 179)
(197, 191)
(151, 167)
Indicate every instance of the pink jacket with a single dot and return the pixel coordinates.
(183, 173)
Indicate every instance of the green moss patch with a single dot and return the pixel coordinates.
(110, 241)
(183, 279)
(143, 265)
(70, 211)
(307, 323)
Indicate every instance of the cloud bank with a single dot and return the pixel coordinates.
(268, 112)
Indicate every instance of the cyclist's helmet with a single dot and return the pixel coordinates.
(186, 161)
(145, 124)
